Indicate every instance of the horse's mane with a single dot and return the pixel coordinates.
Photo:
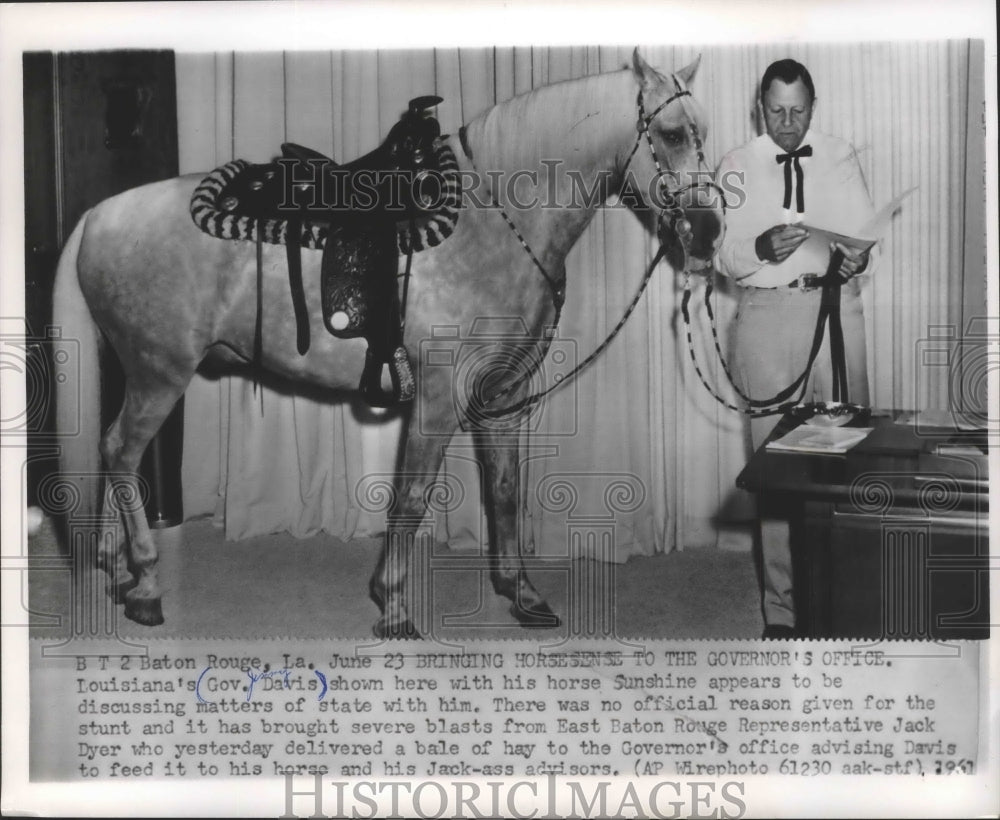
(535, 125)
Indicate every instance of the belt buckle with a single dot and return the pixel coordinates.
(808, 282)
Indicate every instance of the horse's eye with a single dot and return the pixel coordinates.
(675, 136)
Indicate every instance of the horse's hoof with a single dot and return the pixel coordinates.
(539, 616)
(146, 611)
(106, 562)
(119, 592)
(404, 631)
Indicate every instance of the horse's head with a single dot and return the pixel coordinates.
(670, 154)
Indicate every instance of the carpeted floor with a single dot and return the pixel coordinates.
(279, 586)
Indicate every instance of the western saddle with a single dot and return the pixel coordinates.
(304, 198)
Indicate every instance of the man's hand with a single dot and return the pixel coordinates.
(854, 261)
(778, 243)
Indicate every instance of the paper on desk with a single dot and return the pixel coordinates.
(806, 439)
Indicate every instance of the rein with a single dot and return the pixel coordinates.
(781, 402)
(679, 225)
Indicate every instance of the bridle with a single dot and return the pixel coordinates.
(676, 222)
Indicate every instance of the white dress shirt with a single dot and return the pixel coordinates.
(835, 194)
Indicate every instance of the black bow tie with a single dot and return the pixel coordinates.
(787, 159)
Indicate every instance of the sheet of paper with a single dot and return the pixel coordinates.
(807, 439)
(817, 247)
(879, 224)
(814, 253)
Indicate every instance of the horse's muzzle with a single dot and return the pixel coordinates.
(696, 223)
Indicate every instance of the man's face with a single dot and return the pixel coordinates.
(787, 113)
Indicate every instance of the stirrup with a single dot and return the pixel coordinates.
(400, 375)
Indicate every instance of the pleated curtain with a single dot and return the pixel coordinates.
(648, 456)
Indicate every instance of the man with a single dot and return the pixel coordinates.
(791, 176)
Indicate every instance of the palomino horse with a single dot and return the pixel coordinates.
(169, 298)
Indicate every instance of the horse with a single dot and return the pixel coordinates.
(137, 274)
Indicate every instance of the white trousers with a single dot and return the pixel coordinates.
(773, 335)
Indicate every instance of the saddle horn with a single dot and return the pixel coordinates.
(412, 138)
(419, 105)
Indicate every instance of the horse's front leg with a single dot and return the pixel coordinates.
(497, 453)
(422, 456)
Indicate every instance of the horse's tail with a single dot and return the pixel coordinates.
(78, 396)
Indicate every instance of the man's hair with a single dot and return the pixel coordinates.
(788, 71)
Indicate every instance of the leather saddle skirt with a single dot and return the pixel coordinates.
(289, 202)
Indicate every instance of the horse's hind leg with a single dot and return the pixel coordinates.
(114, 560)
(497, 453)
(143, 412)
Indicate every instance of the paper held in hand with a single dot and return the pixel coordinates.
(817, 245)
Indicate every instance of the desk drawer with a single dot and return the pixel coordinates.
(898, 576)
(957, 521)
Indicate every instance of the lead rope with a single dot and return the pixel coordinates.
(558, 289)
(828, 312)
(536, 397)
(685, 311)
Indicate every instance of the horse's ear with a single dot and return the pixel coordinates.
(647, 76)
(686, 74)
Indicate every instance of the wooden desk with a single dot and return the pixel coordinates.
(890, 540)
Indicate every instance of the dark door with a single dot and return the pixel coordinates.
(95, 124)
